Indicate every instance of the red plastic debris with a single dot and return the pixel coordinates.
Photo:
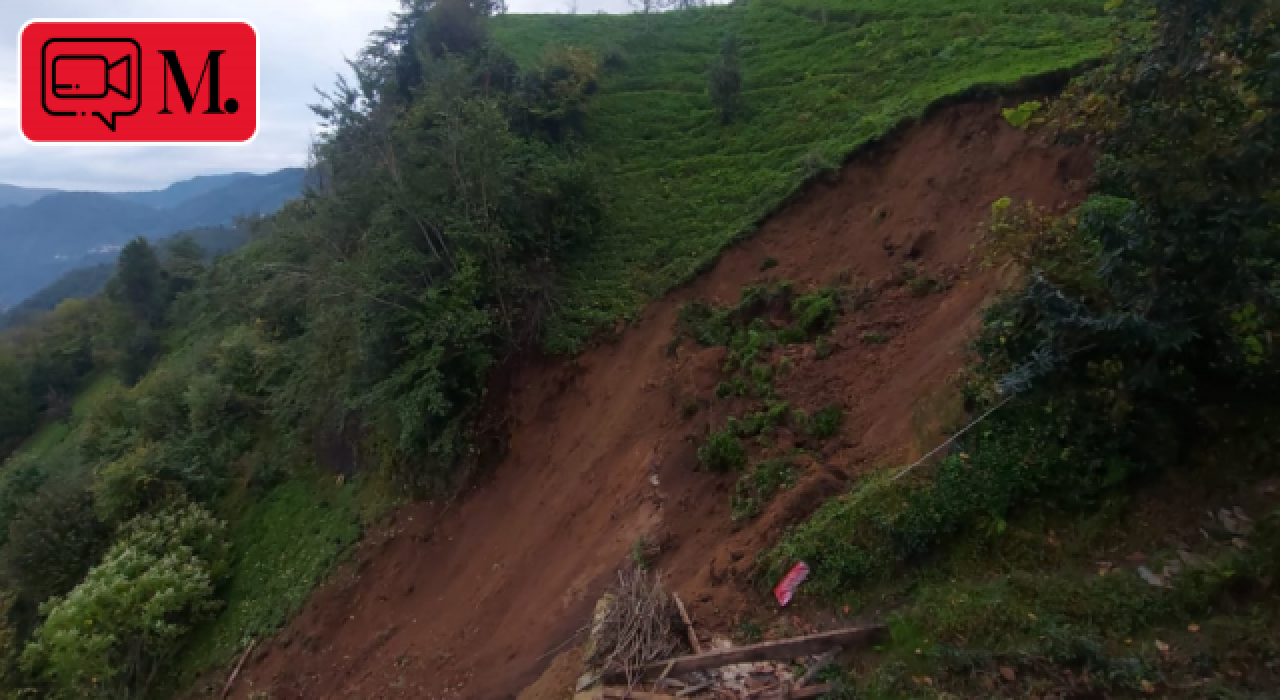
(786, 588)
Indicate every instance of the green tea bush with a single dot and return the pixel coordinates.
(825, 422)
(759, 485)
(722, 452)
(816, 313)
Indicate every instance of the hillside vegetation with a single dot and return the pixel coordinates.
(821, 79)
(482, 186)
(1113, 528)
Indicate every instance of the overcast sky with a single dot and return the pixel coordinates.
(303, 44)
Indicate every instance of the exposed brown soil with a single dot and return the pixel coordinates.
(475, 598)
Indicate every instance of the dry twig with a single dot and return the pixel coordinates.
(637, 626)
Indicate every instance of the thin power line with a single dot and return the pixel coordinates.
(953, 438)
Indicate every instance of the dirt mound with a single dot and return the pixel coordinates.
(473, 599)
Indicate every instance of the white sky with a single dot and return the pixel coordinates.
(303, 45)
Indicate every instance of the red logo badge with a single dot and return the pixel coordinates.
(155, 82)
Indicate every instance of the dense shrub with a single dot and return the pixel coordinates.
(722, 452)
(759, 485)
(110, 636)
(825, 422)
(1170, 277)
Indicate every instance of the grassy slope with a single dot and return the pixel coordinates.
(822, 79)
(284, 544)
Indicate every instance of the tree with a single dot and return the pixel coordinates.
(53, 540)
(456, 26)
(725, 78)
(19, 410)
(1173, 290)
(138, 283)
(183, 263)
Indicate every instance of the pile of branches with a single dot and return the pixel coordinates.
(637, 627)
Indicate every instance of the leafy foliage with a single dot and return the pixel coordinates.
(1020, 117)
(1047, 450)
(53, 540)
(1169, 276)
(759, 485)
(722, 452)
(116, 630)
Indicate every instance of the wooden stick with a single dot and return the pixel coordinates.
(231, 680)
(688, 623)
(820, 663)
(766, 651)
(625, 693)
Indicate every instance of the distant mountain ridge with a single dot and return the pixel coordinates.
(59, 231)
(14, 196)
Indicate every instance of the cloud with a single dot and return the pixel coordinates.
(303, 45)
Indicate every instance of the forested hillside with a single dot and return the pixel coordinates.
(61, 231)
(193, 449)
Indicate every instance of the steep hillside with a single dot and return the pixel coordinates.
(472, 206)
(469, 599)
(821, 79)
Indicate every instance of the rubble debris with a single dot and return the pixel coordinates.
(635, 628)
(783, 649)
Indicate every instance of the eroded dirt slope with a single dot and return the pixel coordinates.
(471, 599)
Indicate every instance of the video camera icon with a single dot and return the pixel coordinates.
(91, 77)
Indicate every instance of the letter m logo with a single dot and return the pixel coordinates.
(173, 73)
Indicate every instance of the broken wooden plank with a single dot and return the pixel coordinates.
(620, 693)
(688, 623)
(231, 680)
(765, 651)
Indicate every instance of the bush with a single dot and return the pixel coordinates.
(759, 485)
(826, 422)
(125, 621)
(722, 452)
(1061, 451)
(1020, 117)
(816, 313)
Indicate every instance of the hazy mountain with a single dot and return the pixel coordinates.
(80, 283)
(179, 192)
(248, 194)
(14, 196)
(85, 282)
(62, 231)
